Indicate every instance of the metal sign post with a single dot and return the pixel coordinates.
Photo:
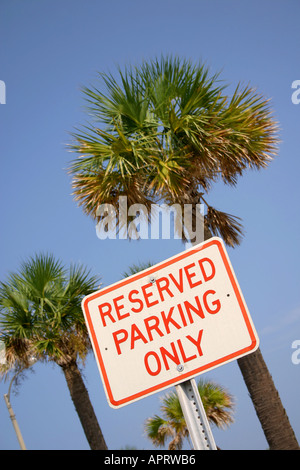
(195, 416)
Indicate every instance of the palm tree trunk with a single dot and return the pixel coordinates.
(269, 409)
(266, 400)
(83, 406)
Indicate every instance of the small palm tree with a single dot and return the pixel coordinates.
(41, 317)
(136, 268)
(218, 405)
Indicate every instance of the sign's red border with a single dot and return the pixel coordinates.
(192, 373)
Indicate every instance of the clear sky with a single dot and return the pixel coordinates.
(48, 51)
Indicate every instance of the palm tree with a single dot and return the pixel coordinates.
(136, 268)
(41, 317)
(218, 405)
(166, 131)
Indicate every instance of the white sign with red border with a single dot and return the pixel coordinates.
(169, 323)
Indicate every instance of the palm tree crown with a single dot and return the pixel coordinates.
(167, 131)
(41, 311)
(218, 405)
(41, 318)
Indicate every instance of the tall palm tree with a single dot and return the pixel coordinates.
(166, 131)
(218, 405)
(41, 317)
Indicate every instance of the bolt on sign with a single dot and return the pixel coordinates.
(168, 323)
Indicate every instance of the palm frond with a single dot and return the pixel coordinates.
(136, 268)
(218, 403)
(158, 430)
(224, 225)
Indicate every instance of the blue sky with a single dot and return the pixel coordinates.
(49, 50)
